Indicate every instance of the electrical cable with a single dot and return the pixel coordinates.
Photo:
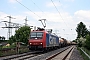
(38, 7)
(58, 12)
(28, 8)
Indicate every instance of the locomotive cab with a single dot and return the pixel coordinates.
(36, 40)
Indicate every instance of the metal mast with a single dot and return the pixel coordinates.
(26, 21)
(10, 26)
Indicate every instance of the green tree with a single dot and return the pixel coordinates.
(81, 30)
(12, 39)
(3, 38)
(74, 41)
(87, 42)
(0, 38)
(22, 34)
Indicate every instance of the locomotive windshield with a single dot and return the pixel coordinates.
(36, 35)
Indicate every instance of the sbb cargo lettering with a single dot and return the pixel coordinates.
(52, 40)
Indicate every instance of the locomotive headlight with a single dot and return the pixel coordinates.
(30, 43)
(40, 43)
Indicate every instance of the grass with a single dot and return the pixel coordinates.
(9, 52)
(86, 50)
(12, 51)
(83, 55)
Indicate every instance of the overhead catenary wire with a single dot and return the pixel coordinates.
(58, 11)
(39, 8)
(62, 8)
(27, 8)
(36, 5)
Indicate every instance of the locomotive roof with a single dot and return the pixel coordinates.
(44, 31)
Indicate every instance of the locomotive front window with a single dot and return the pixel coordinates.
(36, 35)
(40, 34)
(33, 35)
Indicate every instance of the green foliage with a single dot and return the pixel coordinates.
(79, 43)
(12, 39)
(83, 55)
(81, 33)
(2, 38)
(86, 50)
(0, 47)
(74, 41)
(11, 46)
(21, 35)
(87, 42)
(81, 30)
(6, 47)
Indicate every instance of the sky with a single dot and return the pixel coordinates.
(62, 16)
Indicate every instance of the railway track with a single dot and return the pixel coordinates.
(63, 55)
(21, 56)
(51, 55)
(25, 57)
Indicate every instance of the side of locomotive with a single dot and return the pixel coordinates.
(41, 40)
(52, 41)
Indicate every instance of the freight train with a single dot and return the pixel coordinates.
(43, 40)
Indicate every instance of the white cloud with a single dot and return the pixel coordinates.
(82, 14)
(12, 1)
(54, 21)
(54, 17)
(50, 4)
(3, 17)
(18, 18)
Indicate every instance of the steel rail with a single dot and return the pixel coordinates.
(49, 58)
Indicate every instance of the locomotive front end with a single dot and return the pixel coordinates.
(36, 40)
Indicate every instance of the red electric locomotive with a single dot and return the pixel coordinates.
(42, 40)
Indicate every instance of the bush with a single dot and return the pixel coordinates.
(80, 44)
(0, 47)
(87, 42)
(83, 55)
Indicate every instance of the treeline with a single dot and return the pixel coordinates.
(2, 38)
(83, 36)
